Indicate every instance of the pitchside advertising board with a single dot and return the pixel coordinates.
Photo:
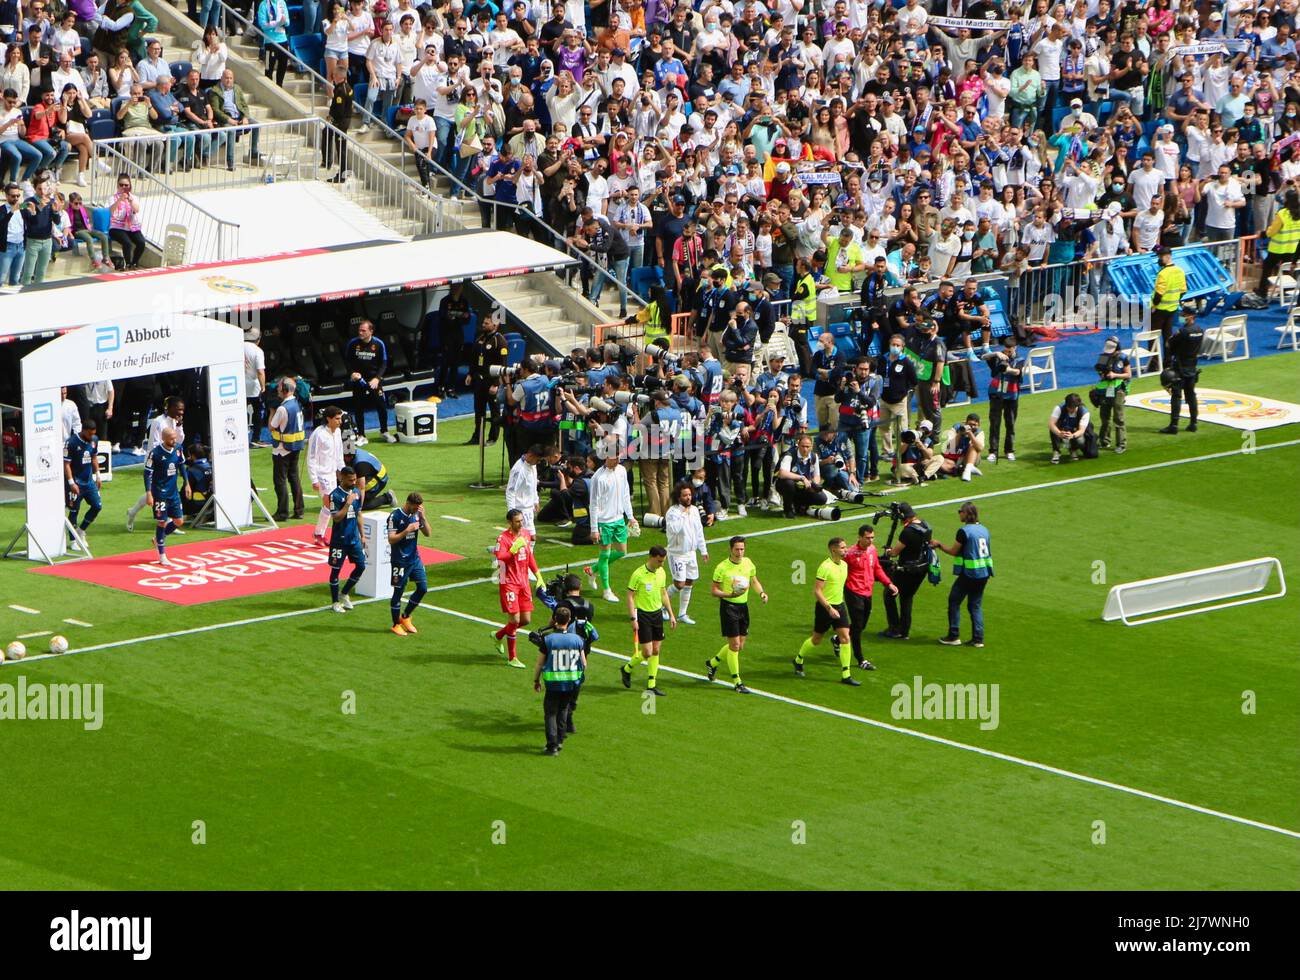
(133, 347)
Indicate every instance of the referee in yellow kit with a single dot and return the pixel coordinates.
(830, 613)
(647, 603)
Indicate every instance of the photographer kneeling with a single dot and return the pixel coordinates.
(1068, 427)
(798, 481)
(963, 449)
(917, 460)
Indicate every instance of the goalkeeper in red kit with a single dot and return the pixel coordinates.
(514, 554)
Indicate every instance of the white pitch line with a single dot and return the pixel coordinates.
(1016, 760)
(787, 528)
(459, 520)
(77, 622)
(24, 609)
(566, 544)
(32, 636)
(939, 740)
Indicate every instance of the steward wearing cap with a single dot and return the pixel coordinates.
(908, 566)
(1181, 372)
(1006, 370)
(1113, 373)
(1167, 296)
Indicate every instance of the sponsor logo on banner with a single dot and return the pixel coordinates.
(43, 413)
(223, 284)
(107, 339)
(209, 571)
(1228, 408)
(227, 386)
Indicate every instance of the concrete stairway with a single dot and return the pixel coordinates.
(558, 313)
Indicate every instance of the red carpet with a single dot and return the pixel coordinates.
(209, 571)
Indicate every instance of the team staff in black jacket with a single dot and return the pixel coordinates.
(366, 357)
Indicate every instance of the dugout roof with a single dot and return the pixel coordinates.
(271, 281)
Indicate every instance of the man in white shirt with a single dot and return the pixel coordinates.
(254, 383)
(685, 537)
(67, 74)
(611, 516)
(324, 460)
(71, 416)
(1146, 226)
(911, 20)
(1223, 199)
(1147, 183)
(521, 487)
(153, 67)
(172, 417)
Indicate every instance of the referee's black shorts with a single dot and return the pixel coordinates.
(822, 622)
(735, 618)
(649, 626)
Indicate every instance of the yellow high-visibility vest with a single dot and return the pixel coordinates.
(1171, 283)
(1283, 234)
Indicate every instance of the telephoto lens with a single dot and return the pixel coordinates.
(824, 513)
(652, 520)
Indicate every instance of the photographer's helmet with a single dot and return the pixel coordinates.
(1106, 345)
(1169, 377)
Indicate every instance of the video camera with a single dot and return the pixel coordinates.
(346, 427)
(894, 512)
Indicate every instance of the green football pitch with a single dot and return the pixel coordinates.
(1160, 756)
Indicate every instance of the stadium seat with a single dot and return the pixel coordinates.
(845, 342)
(643, 278)
(330, 349)
(273, 348)
(310, 50)
(101, 219)
(303, 353)
(390, 117)
(517, 346)
(399, 358)
(102, 128)
(1058, 116)
(179, 70)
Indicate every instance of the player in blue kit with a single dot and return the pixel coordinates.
(345, 537)
(164, 470)
(81, 468)
(405, 525)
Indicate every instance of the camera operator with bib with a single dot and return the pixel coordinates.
(909, 560)
(1113, 372)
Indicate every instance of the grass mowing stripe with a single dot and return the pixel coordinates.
(938, 739)
(270, 617)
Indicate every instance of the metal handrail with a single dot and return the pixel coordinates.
(222, 234)
(372, 120)
(281, 144)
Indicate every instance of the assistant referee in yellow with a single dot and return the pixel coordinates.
(648, 606)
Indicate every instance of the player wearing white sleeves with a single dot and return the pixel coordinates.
(685, 538)
(324, 460)
(173, 414)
